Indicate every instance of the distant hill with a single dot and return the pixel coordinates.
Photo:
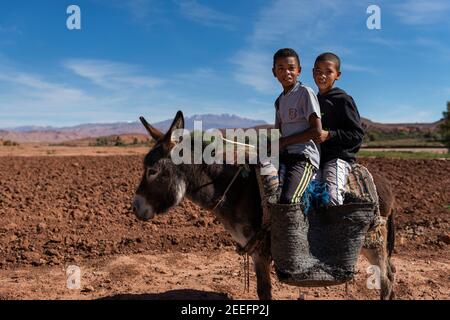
(376, 133)
(369, 125)
(400, 135)
(401, 127)
(213, 121)
(93, 130)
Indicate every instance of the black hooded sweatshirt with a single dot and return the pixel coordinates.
(341, 118)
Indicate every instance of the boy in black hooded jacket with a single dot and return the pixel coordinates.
(342, 133)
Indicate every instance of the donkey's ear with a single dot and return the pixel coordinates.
(178, 123)
(154, 133)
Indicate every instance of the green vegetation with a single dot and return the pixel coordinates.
(415, 139)
(404, 143)
(445, 127)
(118, 141)
(374, 138)
(403, 154)
(8, 143)
(101, 142)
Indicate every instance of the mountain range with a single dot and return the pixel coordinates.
(28, 134)
(50, 134)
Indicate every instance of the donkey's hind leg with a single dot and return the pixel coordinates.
(262, 260)
(378, 256)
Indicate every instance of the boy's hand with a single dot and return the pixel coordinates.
(324, 136)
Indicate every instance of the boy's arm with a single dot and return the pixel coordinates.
(352, 134)
(311, 134)
(277, 121)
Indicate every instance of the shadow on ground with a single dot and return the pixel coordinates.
(182, 294)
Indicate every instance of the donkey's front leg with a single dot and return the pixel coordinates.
(262, 268)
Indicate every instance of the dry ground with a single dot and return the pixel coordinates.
(61, 210)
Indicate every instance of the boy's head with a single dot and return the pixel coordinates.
(286, 67)
(327, 69)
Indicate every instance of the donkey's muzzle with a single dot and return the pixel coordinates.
(142, 209)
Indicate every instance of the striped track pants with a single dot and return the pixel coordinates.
(296, 177)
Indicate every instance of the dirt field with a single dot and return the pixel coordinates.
(429, 150)
(39, 149)
(56, 211)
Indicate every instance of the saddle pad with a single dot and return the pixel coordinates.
(360, 186)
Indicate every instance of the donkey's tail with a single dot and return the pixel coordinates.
(391, 233)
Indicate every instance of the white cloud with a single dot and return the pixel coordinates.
(254, 69)
(140, 9)
(33, 86)
(198, 74)
(422, 12)
(312, 26)
(122, 93)
(287, 19)
(356, 68)
(434, 46)
(404, 114)
(29, 98)
(205, 15)
(111, 75)
(144, 12)
(285, 23)
(391, 43)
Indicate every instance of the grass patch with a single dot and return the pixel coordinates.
(117, 141)
(403, 154)
(404, 143)
(8, 143)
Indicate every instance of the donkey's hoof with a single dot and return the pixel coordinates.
(388, 294)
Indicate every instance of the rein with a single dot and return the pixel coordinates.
(234, 178)
(203, 185)
(228, 188)
(222, 198)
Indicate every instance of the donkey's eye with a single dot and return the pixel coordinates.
(151, 173)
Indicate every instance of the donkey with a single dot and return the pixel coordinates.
(164, 185)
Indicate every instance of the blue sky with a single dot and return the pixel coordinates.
(154, 57)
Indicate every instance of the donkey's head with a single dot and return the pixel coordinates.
(162, 185)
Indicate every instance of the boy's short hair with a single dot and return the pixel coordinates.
(329, 56)
(285, 53)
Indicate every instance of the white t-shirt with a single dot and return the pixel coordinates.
(292, 117)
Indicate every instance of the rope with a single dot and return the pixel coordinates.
(238, 143)
(246, 273)
(228, 188)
